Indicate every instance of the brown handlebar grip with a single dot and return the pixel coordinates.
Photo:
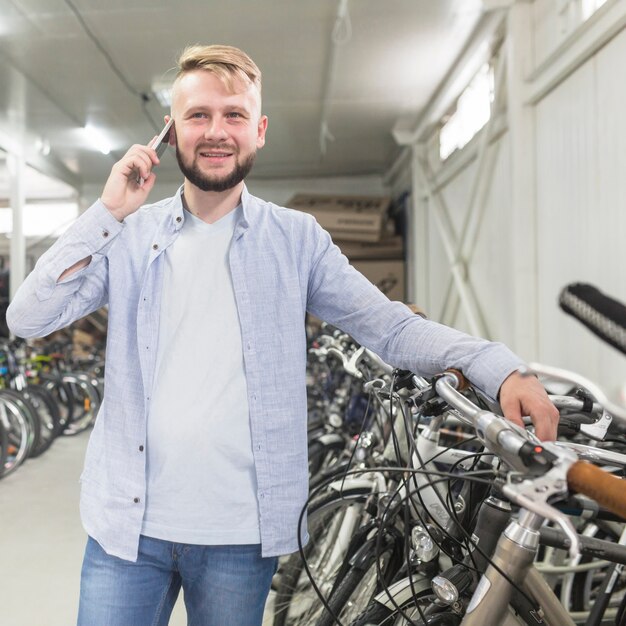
(607, 490)
(463, 383)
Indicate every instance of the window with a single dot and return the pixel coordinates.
(50, 205)
(42, 219)
(473, 109)
(589, 7)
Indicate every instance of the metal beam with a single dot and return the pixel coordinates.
(469, 302)
(17, 169)
(523, 205)
(478, 194)
(581, 44)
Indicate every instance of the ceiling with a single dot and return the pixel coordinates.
(70, 63)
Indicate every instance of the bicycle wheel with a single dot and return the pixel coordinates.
(332, 519)
(32, 417)
(4, 446)
(19, 433)
(62, 394)
(322, 455)
(85, 399)
(355, 591)
(48, 414)
(406, 614)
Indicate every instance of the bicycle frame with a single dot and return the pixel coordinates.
(514, 556)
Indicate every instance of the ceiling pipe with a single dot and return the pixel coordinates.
(341, 35)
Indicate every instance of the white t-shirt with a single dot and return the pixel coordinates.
(201, 483)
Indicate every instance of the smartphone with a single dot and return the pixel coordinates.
(159, 144)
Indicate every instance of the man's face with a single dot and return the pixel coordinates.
(217, 132)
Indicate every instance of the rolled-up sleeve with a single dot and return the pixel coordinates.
(42, 304)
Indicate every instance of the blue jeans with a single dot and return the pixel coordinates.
(223, 585)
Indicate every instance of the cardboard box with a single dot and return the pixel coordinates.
(347, 218)
(386, 248)
(388, 276)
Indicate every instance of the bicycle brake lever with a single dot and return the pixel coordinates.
(351, 365)
(599, 428)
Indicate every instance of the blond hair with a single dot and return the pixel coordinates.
(230, 64)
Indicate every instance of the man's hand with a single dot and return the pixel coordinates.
(130, 181)
(525, 395)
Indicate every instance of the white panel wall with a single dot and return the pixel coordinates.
(581, 195)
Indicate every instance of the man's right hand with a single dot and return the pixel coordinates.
(123, 194)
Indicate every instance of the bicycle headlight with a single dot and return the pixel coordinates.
(449, 585)
(444, 590)
(423, 545)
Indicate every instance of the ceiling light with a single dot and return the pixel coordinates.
(97, 139)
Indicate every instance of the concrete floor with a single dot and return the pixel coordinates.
(42, 540)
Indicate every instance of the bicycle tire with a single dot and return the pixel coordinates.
(321, 456)
(62, 394)
(357, 581)
(376, 614)
(49, 417)
(85, 399)
(19, 430)
(4, 445)
(294, 580)
(27, 408)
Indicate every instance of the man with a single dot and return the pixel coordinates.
(196, 471)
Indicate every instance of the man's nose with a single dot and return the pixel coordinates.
(215, 129)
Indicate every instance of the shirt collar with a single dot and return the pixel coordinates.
(178, 211)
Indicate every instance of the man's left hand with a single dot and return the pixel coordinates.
(525, 395)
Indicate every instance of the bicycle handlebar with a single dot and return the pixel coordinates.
(517, 449)
(555, 373)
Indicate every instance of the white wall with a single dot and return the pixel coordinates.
(579, 194)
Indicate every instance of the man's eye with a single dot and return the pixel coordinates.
(234, 114)
(199, 115)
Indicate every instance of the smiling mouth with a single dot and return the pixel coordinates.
(216, 155)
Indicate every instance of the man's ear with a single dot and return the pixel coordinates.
(261, 130)
(171, 136)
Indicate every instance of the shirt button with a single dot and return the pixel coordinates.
(155, 246)
(140, 448)
(105, 233)
(135, 500)
(179, 218)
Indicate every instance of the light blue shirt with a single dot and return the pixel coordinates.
(282, 264)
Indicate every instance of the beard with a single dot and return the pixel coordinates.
(206, 182)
